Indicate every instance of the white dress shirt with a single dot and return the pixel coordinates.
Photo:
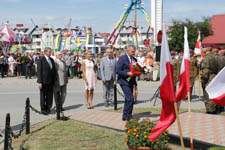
(49, 61)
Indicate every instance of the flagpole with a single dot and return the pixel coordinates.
(199, 84)
(179, 125)
(190, 120)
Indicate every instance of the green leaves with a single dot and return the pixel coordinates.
(176, 33)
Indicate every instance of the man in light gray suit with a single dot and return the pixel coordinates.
(60, 88)
(108, 72)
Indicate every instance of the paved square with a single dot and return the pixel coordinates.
(207, 128)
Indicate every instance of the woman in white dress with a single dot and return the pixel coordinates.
(12, 64)
(90, 78)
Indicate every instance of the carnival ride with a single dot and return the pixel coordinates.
(72, 40)
(134, 6)
(9, 38)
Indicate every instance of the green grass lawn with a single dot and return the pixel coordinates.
(72, 135)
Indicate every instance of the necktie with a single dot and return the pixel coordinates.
(49, 62)
(131, 59)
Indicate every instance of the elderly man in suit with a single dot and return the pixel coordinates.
(108, 73)
(46, 79)
(123, 71)
(60, 88)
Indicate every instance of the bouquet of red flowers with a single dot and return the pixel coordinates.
(136, 69)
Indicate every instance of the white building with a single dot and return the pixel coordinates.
(42, 38)
(156, 17)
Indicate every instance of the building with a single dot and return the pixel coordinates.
(217, 39)
(43, 37)
(156, 18)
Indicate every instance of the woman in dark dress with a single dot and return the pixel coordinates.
(75, 65)
(19, 66)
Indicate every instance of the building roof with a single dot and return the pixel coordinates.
(218, 23)
(103, 34)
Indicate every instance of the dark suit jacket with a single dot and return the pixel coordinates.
(122, 68)
(45, 74)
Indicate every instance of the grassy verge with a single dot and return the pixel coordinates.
(72, 135)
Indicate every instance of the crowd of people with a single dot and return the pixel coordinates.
(17, 65)
(205, 67)
(54, 68)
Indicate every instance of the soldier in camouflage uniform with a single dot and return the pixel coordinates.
(176, 70)
(221, 60)
(193, 71)
(208, 72)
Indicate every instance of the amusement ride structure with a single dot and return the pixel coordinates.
(134, 6)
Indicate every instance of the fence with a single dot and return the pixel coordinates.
(9, 135)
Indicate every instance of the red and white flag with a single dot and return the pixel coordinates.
(184, 86)
(216, 88)
(167, 93)
(198, 47)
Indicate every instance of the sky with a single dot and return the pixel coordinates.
(101, 15)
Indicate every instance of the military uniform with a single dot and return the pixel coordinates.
(221, 62)
(208, 72)
(193, 72)
(176, 72)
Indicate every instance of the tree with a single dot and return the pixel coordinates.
(176, 33)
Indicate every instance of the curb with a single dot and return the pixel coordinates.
(199, 145)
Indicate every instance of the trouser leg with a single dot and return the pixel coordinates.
(104, 85)
(129, 101)
(49, 96)
(111, 91)
(43, 98)
(63, 90)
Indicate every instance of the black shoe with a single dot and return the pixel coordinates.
(111, 104)
(125, 119)
(44, 112)
(212, 113)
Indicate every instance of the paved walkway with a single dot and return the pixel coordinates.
(207, 128)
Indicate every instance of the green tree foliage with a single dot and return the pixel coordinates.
(176, 33)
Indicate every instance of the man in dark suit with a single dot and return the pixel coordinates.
(123, 71)
(46, 73)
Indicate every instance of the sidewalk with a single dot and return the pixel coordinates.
(206, 128)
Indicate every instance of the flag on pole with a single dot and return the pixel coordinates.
(167, 94)
(198, 47)
(184, 86)
(216, 88)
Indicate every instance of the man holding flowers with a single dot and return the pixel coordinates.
(127, 80)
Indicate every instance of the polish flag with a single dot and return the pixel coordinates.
(184, 86)
(198, 47)
(167, 93)
(216, 88)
